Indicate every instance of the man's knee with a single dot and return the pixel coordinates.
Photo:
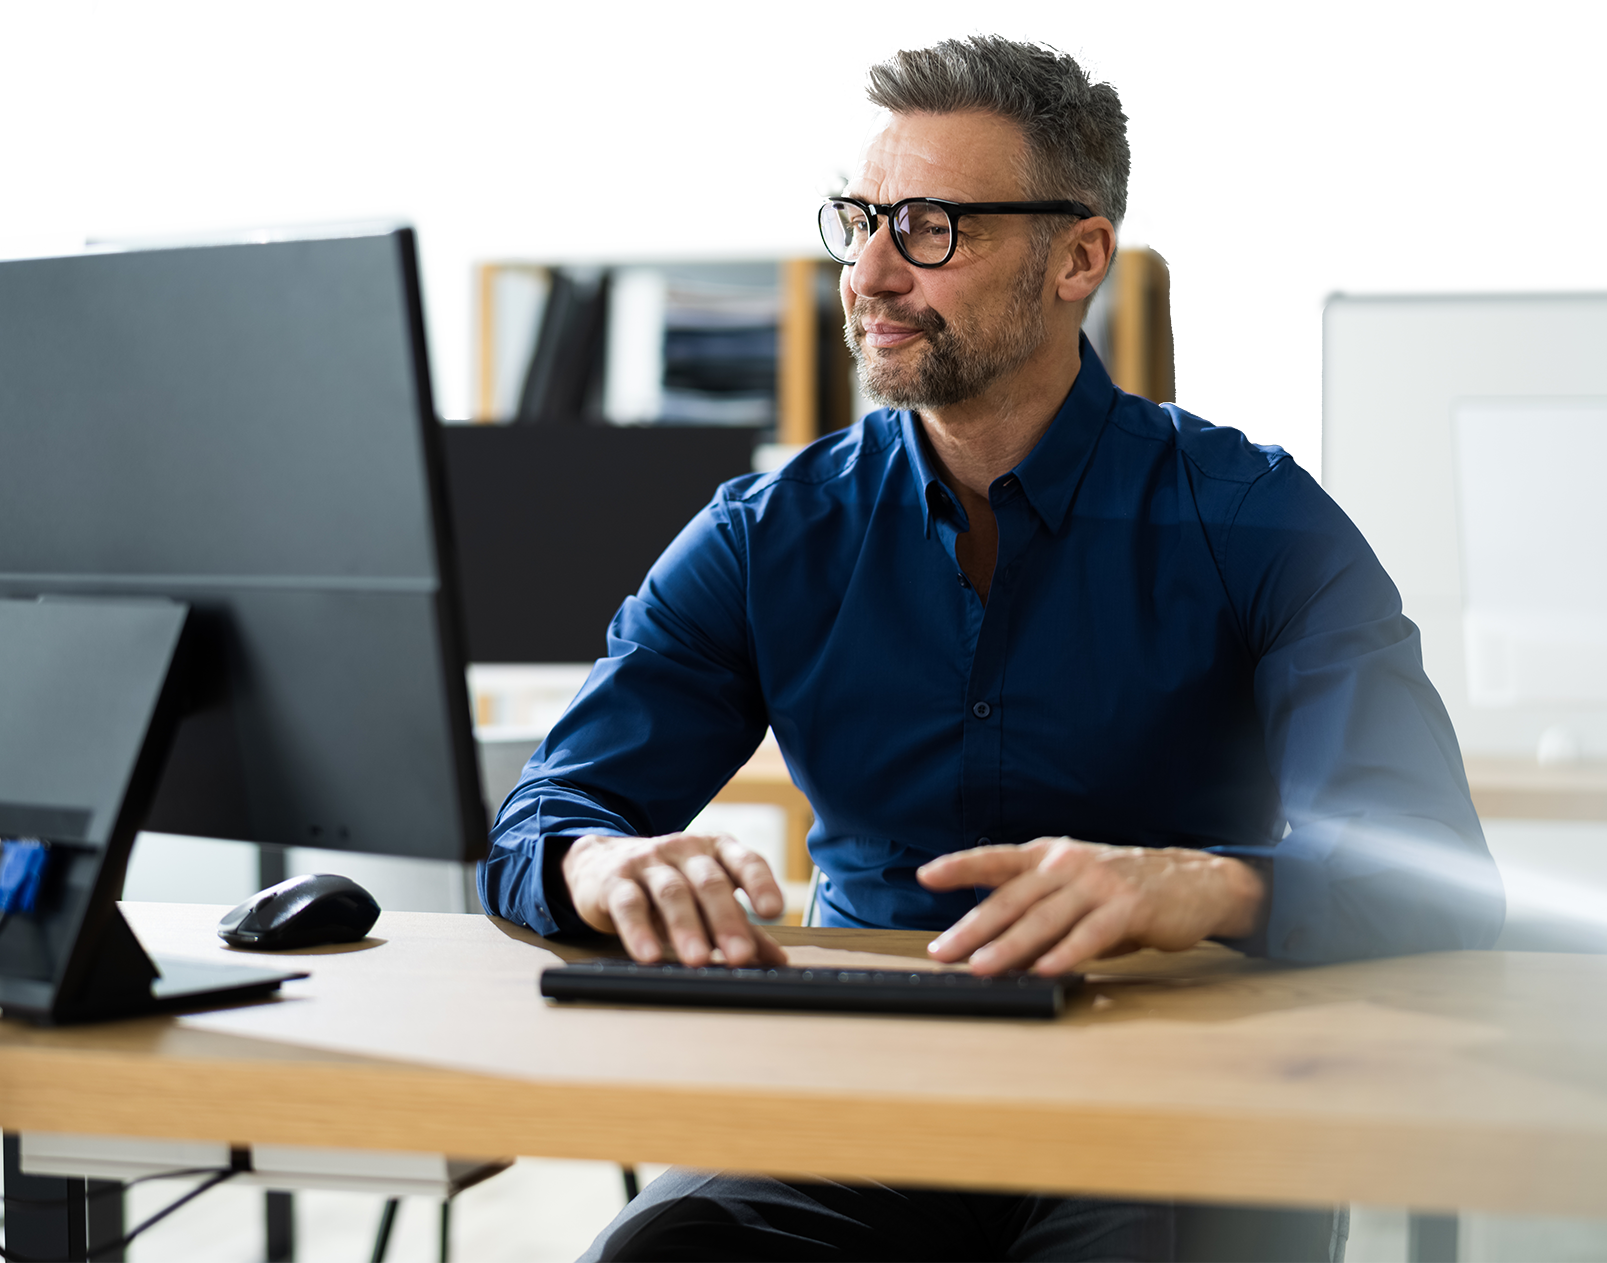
(684, 1214)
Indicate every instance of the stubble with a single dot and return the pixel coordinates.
(960, 359)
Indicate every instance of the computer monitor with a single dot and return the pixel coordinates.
(246, 432)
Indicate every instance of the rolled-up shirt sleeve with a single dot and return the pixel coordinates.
(663, 721)
(1384, 853)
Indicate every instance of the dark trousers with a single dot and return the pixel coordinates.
(701, 1215)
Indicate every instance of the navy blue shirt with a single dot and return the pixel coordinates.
(1186, 643)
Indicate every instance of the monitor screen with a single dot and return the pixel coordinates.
(249, 429)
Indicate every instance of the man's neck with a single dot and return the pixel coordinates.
(976, 441)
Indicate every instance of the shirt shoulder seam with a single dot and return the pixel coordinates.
(868, 446)
(1115, 418)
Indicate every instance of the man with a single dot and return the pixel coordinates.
(1063, 673)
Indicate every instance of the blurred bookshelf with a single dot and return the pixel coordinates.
(750, 345)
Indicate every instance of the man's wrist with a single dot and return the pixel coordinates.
(1248, 892)
(555, 885)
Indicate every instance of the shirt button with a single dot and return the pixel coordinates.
(984, 841)
(982, 710)
(963, 582)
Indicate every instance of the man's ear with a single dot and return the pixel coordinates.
(1083, 255)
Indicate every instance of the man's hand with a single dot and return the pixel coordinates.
(1057, 902)
(679, 889)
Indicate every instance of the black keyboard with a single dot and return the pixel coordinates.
(835, 990)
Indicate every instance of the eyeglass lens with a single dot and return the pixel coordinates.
(922, 228)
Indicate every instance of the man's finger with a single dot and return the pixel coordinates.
(995, 914)
(1025, 939)
(673, 897)
(753, 875)
(632, 914)
(980, 866)
(725, 918)
(747, 870)
(1037, 930)
(1095, 935)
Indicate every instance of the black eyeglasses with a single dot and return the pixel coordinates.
(925, 229)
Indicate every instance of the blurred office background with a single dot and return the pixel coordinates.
(1282, 154)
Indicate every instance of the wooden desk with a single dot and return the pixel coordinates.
(1474, 1079)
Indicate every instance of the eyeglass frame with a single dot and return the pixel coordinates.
(955, 212)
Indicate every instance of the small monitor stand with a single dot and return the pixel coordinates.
(91, 692)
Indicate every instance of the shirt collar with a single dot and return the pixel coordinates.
(1052, 470)
(932, 488)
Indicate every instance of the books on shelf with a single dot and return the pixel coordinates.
(691, 344)
(720, 346)
(560, 382)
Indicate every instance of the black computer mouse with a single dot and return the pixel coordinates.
(302, 912)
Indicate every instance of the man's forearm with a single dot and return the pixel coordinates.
(1380, 885)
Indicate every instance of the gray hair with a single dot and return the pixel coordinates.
(1075, 131)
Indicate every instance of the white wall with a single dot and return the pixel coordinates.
(40, 147)
(1390, 140)
(619, 130)
(228, 116)
(1291, 363)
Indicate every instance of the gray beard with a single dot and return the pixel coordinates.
(959, 361)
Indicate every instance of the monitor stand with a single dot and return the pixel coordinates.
(91, 692)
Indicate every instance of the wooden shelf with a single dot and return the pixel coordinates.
(765, 779)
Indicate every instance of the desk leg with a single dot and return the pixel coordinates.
(106, 1218)
(1431, 1238)
(280, 1216)
(48, 1218)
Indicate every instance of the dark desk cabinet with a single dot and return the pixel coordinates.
(555, 525)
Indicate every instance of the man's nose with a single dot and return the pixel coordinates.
(880, 268)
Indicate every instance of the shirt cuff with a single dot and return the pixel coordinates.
(523, 880)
